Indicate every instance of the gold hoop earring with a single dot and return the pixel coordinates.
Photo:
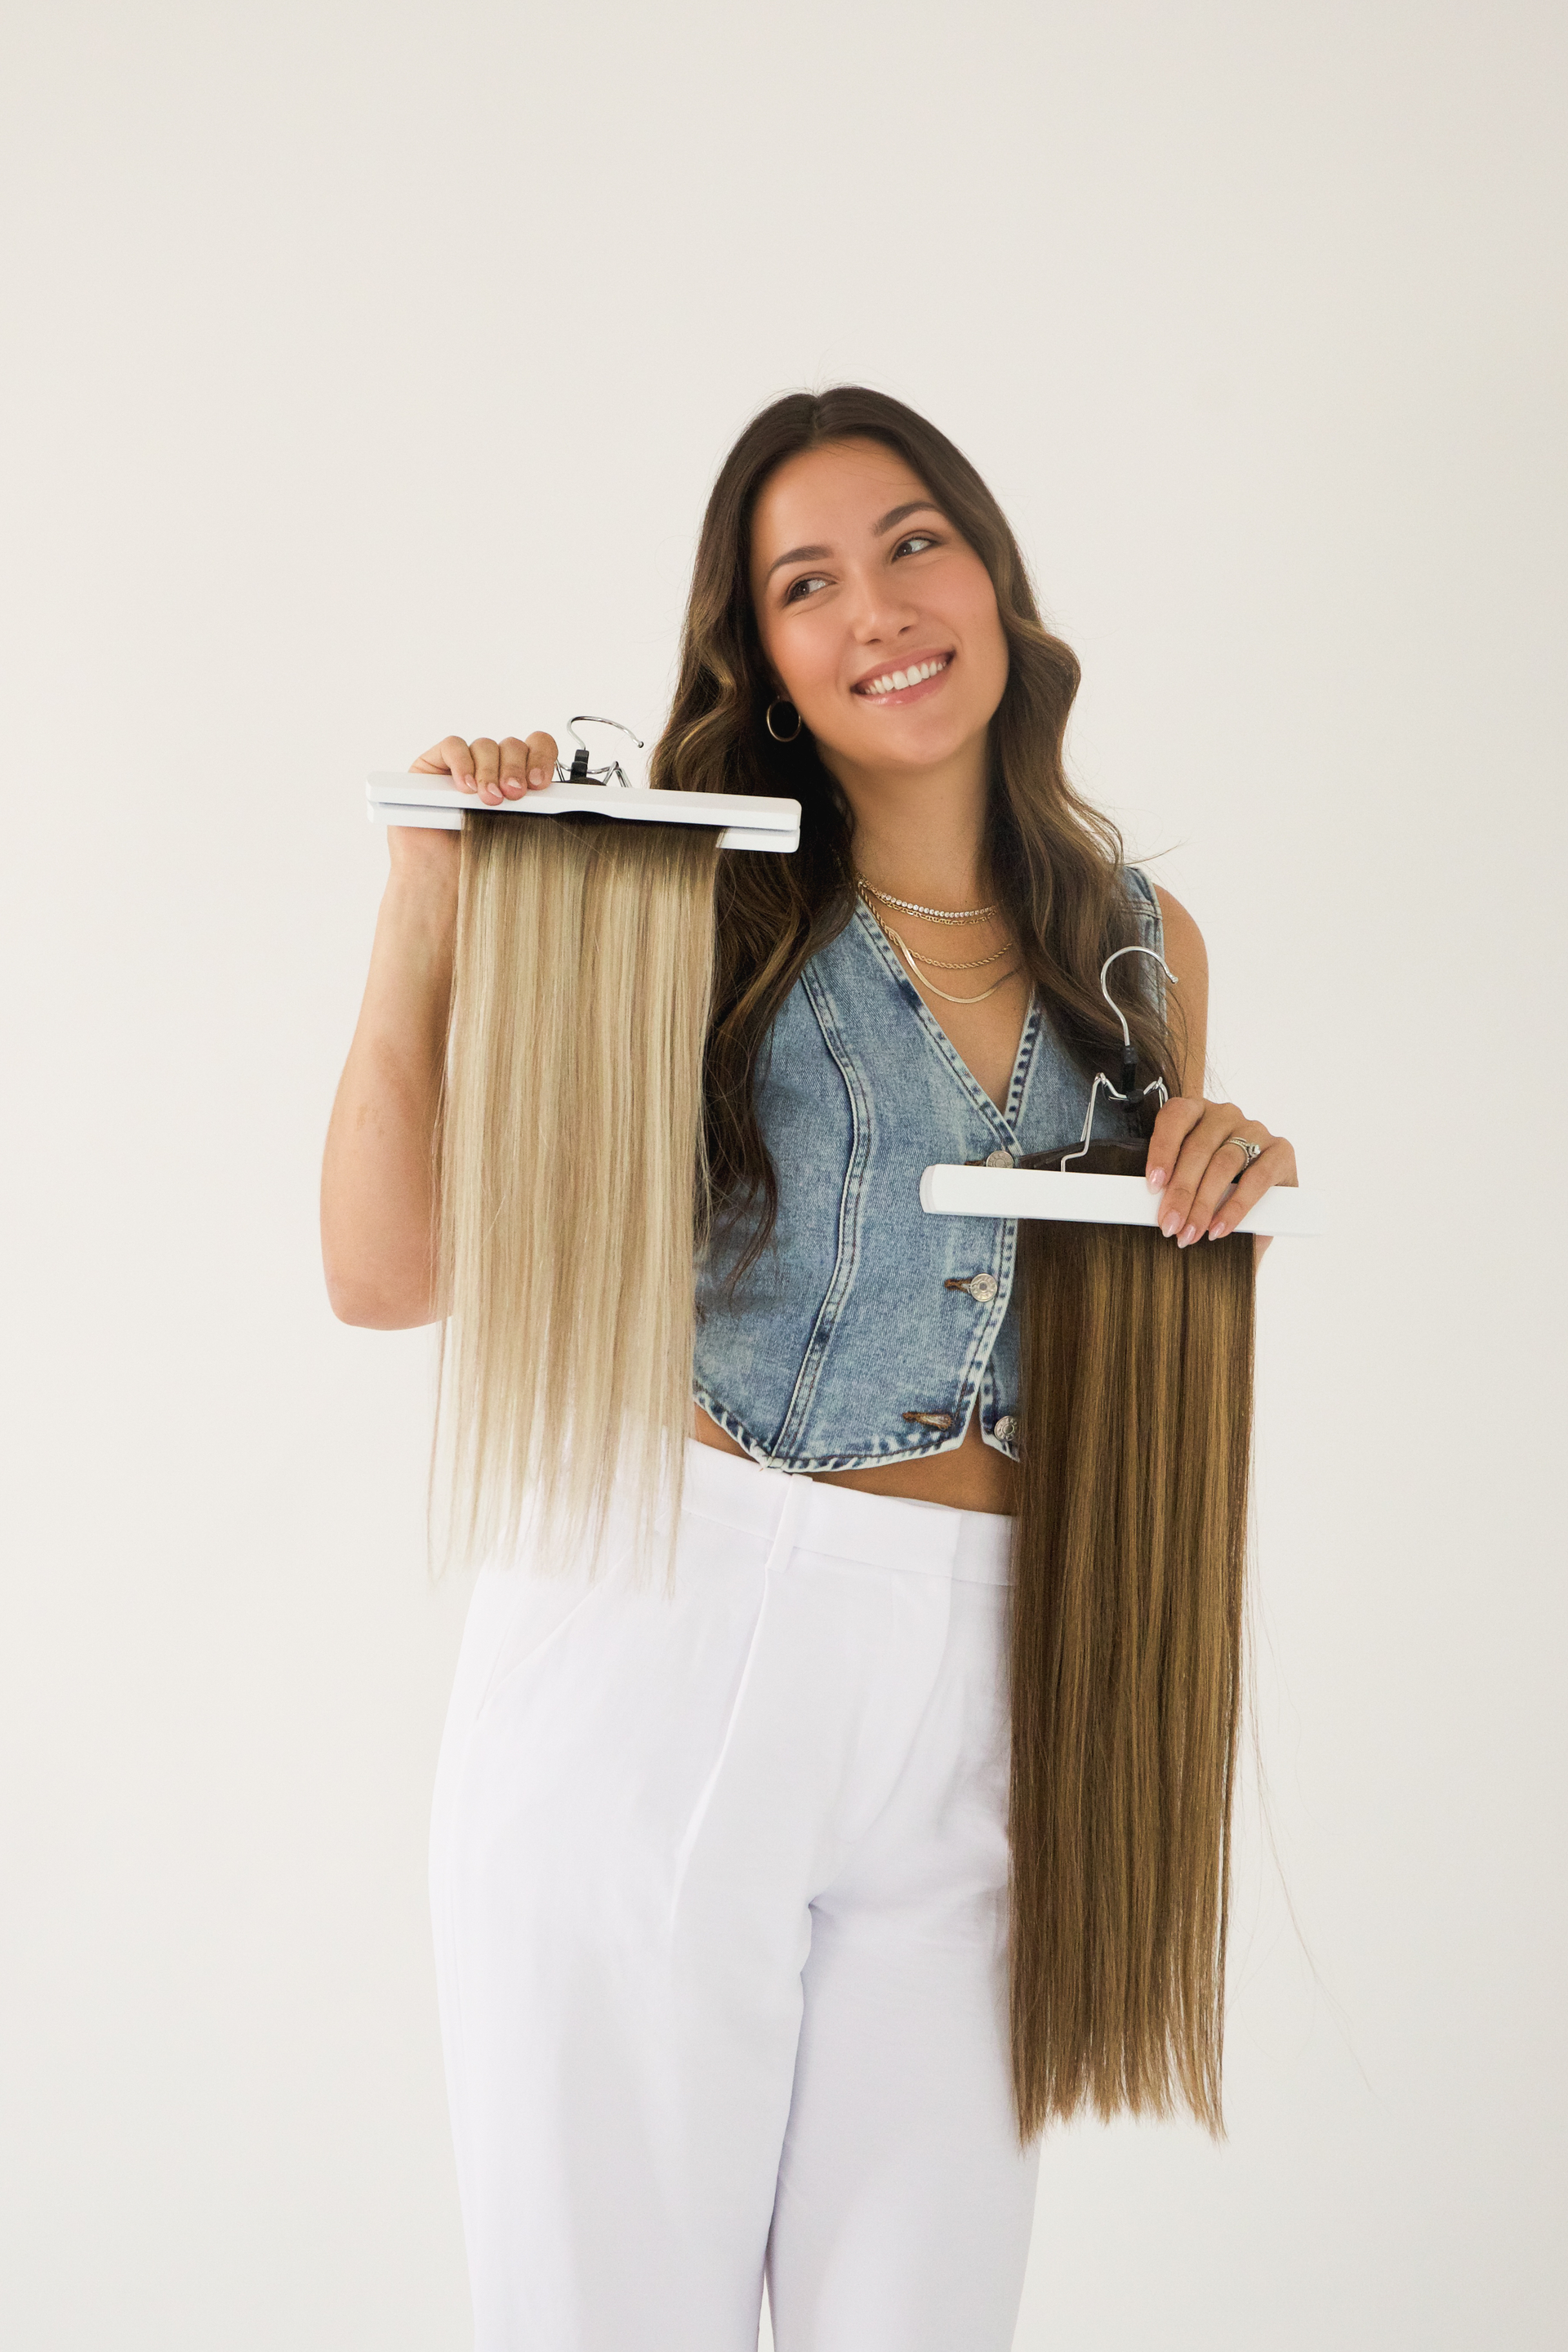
(768, 719)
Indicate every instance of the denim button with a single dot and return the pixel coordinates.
(1004, 1428)
(982, 1286)
(999, 1159)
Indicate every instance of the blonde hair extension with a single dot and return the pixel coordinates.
(572, 1191)
(1126, 1660)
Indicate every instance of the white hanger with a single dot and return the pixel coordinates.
(745, 820)
(1082, 1199)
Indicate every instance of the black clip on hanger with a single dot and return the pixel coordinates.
(580, 772)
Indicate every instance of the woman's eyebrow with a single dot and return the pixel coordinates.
(894, 516)
(796, 555)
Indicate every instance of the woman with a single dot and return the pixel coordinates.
(721, 1883)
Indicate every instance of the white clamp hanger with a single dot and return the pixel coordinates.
(743, 820)
(1085, 1199)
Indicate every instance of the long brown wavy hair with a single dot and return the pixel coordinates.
(1054, 857)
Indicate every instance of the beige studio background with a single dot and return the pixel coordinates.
(366, 370)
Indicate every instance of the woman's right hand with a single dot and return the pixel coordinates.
(426, 859)
(496, 771)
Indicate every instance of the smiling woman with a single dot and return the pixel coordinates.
(728, 1879)
(846, 544)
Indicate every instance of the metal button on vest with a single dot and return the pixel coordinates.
(982, 1286)
(1006, 1427)
(998, 1159)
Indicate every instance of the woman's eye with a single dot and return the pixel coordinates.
(793, 593)
(917, 540)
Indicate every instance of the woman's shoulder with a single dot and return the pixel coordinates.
(1183, 941)
(1186, 958)
(1180, 932)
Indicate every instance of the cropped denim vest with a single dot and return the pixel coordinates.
(870, 1329)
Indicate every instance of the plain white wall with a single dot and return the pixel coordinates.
(367, 366)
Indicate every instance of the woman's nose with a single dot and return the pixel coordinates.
(878, 611)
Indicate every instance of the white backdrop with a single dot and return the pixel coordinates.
(367, 367)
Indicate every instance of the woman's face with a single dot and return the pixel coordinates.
(858, 580)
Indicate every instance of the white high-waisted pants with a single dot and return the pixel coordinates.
(720, 1893)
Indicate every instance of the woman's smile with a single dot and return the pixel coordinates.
(909, 679)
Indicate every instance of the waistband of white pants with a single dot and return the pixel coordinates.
(846, 1523)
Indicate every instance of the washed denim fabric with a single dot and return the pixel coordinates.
(870, 1329)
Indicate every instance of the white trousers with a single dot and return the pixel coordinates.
(720, 1897)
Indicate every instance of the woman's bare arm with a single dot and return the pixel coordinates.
(1188, 1161)
(1189, 1001)
(377, 1175)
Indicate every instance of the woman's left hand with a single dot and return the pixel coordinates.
(1193, 1164)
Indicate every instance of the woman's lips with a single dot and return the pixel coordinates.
(927, 673)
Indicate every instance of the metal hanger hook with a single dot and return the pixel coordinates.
(1105, 967)
(1129, 1059)
(580, 772)
(586, 719)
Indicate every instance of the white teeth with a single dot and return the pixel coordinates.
(896, 680)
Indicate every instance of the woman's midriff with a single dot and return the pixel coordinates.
(973, 1477)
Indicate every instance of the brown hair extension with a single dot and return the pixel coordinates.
(571, 1191)
(1054, 856)
(1129, 1560)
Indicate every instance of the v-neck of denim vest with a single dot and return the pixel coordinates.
(938, 1037)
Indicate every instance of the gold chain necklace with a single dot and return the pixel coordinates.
(974, 963)
(903, 948)
(943, 963)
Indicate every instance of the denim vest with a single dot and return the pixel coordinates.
(869, 1329)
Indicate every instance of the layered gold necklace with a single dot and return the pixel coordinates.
(938, 963)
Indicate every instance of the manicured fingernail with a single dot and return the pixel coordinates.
(1168, 1225)
(1191, 1234)
(1156, 1177)
(1215, 1233)
(512, 786)
(538, 779)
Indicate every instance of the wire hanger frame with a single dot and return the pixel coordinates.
(1129, 1058)
(578, 771)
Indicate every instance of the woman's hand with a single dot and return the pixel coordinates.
(426, 859)
(1194, 1165)
(496, 771)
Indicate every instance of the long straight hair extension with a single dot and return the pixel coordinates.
(572, 1191)
(1130, 1552)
